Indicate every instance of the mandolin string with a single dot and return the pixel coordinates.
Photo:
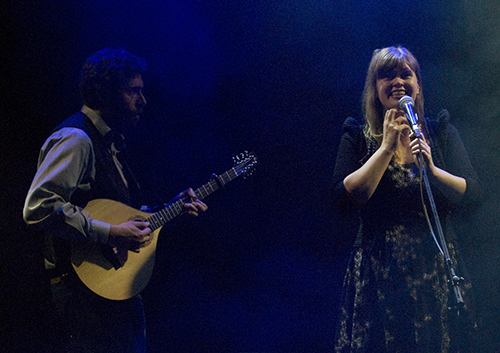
(174, 209)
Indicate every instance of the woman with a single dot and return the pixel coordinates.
(396, 290)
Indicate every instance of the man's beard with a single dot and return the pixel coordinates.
(122, 119)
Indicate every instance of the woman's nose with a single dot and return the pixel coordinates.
(397, 81)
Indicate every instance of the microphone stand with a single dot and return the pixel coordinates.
(454, 279)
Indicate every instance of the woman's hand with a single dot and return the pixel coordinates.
(420, 147)
(395, 125)
(452, 186)
(362, 183)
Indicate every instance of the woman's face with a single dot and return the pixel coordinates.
(396, 83)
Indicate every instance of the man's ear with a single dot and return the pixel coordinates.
(102, 95)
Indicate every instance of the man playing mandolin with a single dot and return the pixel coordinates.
(84, 160)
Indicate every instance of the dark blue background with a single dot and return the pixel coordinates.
(262, 269)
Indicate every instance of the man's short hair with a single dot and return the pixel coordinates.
(105, 73)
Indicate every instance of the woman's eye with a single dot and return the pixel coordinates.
(406, 75)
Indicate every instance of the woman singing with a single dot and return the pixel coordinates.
(396, 294)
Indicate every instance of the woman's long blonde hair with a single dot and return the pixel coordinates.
(383, 60)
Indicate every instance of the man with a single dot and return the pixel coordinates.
(83, 160)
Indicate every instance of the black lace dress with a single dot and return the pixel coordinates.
(396, 296)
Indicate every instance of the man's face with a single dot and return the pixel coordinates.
(123, 110)
(132, 101)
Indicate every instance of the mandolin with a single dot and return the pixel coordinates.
(118, 274)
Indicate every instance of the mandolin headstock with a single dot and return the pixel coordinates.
(245, 163)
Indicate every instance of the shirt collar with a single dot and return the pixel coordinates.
(96, 119)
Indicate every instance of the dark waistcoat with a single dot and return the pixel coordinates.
(107, 183)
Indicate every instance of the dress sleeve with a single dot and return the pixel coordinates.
(66, 162)
(350, 153)
(458, 163)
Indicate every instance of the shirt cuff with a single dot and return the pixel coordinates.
(99, 231)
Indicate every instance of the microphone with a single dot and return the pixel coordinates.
(406, 104)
